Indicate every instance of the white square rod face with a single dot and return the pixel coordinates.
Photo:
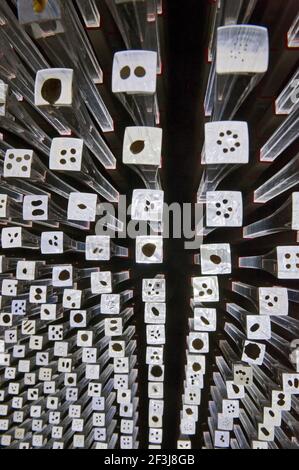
(242, 49)
(142, 146)
(134, 72)
(226, 142)
(54, 87)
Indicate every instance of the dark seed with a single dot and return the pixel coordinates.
(155, 311)
(51, 90)
(64, 275)
(149, 249)
(38, 212)
(36, 203)
(255, 327)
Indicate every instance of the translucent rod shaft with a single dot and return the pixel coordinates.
(20, 40)
(230, 16)
(120, 251)
(282, 138)
(246, 290)
(207, 440)
(246, 92)
(293, 295)
(283, 346)
(254, 414)
(217, 399)
(264, 380)
(279, 221)
(234, 444)
(90, 13)
(213, 409)
(210, 92)
(293, 33)
(95, 142)
(132, 112)
(12, 70)
(27, 136)
(119, 21)
(217, 15)
(232, 12)
(286, 102)
(19, 111)
(258, 397)
(238, 315)
(230, 356)
(291, 422)
(102, 186)
(76, 32)
(242, 441)
(109, 221)
(212, 177)
(224, 89)
(147, 109)
(58, 186)
(249, 10)
(90, 93)
(149, 175)
(220, 384)
(142, 109)
(258, 262)
(284, 179)
(287, 323)
(284, 441)
(153, 42)
(236, 335)
(223, 367)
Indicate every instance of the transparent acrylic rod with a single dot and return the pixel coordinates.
(282, 138)
(246, 290)
(76, 47)
(250, 64)
(12, 70)
(210, 93)
(287, 323)
(293, 295)
(149, 175)
(26, 135)
(279, 221)
(286, 102)
(90, 13)
(21, 41)
(81, 44)
(229, 354)
(284, 179)
(224, 14)
(223, 367)
(253, 83)
(212, 177)
(18, 110)
(235, 334)
(244, 416)
(260, 262)
(224, 86)
(137, 23)
(241, 439)
(293, 33)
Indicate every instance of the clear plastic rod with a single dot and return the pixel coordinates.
(282, 138)
(283, 180)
